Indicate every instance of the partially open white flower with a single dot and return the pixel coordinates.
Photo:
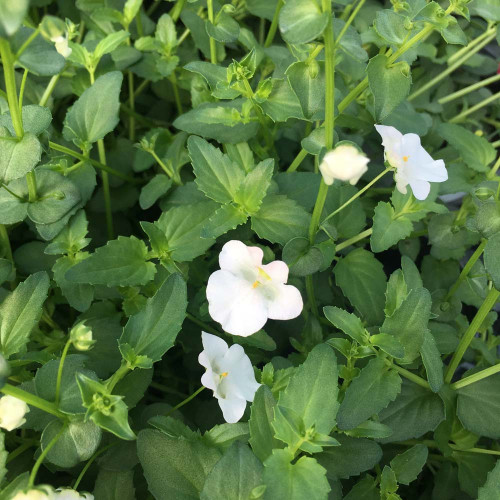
(38, 493)
(229, 374)
(245, 293)
(61, 44)
(12, 411)
(69, 494)
(413, 164)
(344, 163)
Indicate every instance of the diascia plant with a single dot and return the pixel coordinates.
(249, 249)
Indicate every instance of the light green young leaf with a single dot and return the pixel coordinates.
(122, 262)
(349, 323)
(388, 228)
(20, 312)
(225, 29)
(227, 217)
(301, 21)
(254, 186)
(390, 26)
(110, 43)
(72, 238)
(308, 82)
(396, 292)
(492, 259)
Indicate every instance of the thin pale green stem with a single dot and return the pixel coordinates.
(60, 372)
(349, 21)
(21, 90)
(131, 103)
(491, 174)
(411, 376)
(206, 327)
(106, 191)
(31, 180)
(329, 76)
(466, 270)
(297, 161)
(5, 243)
(49, 89)
(26, 44)
(187, 400)
(460, 117)
(471, 379)
(353, 240)
(467, 90)
(318, 209)
(274, 24)
(177, 97)
(21, 449)
(213, 44)
(117, 376)
(96, 455)
(176, 10)
(471, 331)
(457, 55)
(31, 399)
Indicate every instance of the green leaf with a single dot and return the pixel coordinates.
(115, 485)
(12, 16)
(349, 323)
(18, 157)
(487, 9)
(282, 103)
(390, 26)
(308, 82)
(389, 344)
(409, 322)
(183, 226)
(396, 292)
(478, 405)
(72, 238)
(36, 119)
(287, 481)
(362, 279)
(408, 465)
(475, 151)
(302, 21)
(175, 468)
(6, 270)
(313, 388)
(414, 412)
(433, 363)
(153, 190)
(95, 113)
(223, 220)
(492, 259)
(254, 187)
(302, 258)
(390, 85)
(216, 175)
(122, 262)
(224, 435)
(235, 475)
(165, 31)
(445, 233)
(20, 312)
(262, 438)
(77, 443)
(262, 8)
(491, 489)
(388, 228)
(472, 471)
(280, 219)
(110, 43)
(152, 331)
(371, 391)
(351, 458)
(225, 29)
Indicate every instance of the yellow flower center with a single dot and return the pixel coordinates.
(262, 274)
(223, 375)
(405, 158)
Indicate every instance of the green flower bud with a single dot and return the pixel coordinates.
(51, 28)
(81, 337)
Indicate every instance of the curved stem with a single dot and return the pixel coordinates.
(49, 89)
(60, 371)
(349, 21)
(187, 400)
(467, 90)
(471, 331)
(31, 399)
(274, 24)
(26, 44)
(297, 161)
(411, 376)
(21, 90)
(318, 209)
(354, 239)
(473, 109)
(471, 379)
(90, 462)
(117, 376)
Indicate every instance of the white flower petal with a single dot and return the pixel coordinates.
(277, 271)
(391, 140)
(12, 411)
(434, 171)
(420, 188)
(238, 259)
(213, 347)
(241, 377)
(287, 303)
(345, 163)
(208, 379)
(232, 409)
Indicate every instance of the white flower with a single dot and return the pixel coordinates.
(69, 494)
(61, 43)
(413, 164)
(345, 163)
(38, 493)
(12, 411)
(245, 293)
(229, 374)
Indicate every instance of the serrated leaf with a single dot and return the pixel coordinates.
(254, 186)
(388, 229)
(408, 465)
(18, 157)
(223, 220)
(349, 323)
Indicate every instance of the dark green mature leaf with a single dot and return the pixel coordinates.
(302, 21)
(391, 26)
(95, 113)
(36, 119)
(308, 83)
(235, 475)
(349, 323)
(491, 489)
(287, 481)
(477, 407)
(18, 157)
(371, 391)
(433, 363)
(175, 468)
(353, 456)
(472, 471)
(78, 295)
(408, 465)
(225, 29)
(121, 262)
(492, 259)
(3, 457)
(389, 84)
(313, 388)
(388, 229)
(152, 331)
(301, 257)
(153, 190)
(409, 322)
(362, 279)
(20, 312)
(115, 485)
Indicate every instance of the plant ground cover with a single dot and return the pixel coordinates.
(249, 249)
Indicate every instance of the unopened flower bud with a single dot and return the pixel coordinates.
(39, 493)
(345, 163)
(12, 411)
(69, 494)
(81, 337)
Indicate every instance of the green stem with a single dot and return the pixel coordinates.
(176, 10)
(297, 161)
(467, 90)
(349, 21)
(131, 103)
(49, 89)
(206, 327)
(310, 295)
(466, 270)
(117, 376)
(140, 89)
(472, 44)
(10, 87)
(213, 44)
(329, 76)
(31, 180)
(491, 174)
(5, 243)
(96, 455)
(26, 44)
(21, 449)
(450, 69)
(187, 400)
(473, 109)
(60, 371)
(106, 192)
(359, 193)
(411, 376)
(31, 399)
(165, 168)
(471, 379)
(177, 97)
(42, 456)
(471, 331)
(318, 209)
(354, 239)
(102, 166)
(21, 90)
(274, 24)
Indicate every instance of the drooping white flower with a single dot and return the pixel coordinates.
(39, 493)
(344, 163)
(413, 164)
(69, 494)
(61, 44)
(244, 293)
(12, 411)
(229, 374)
